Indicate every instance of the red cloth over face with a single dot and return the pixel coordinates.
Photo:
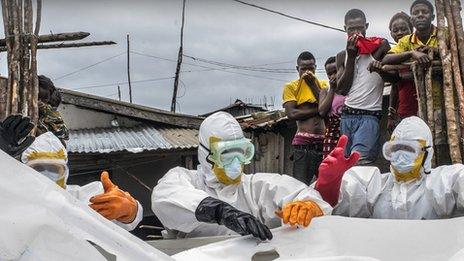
(368, 45)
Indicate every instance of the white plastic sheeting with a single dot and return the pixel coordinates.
(340, 238)
(41, 221)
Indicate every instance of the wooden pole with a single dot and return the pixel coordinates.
(119, 93)
(15, 68)
(455, 65)
(448, 94)
(25, 65)
(179, 61)
(429, 100)
(457, 19)
(8, 29)
(419, 80)
(61, 37)
(128, 70)
(429, 94)
(34, 112)
(70, 45)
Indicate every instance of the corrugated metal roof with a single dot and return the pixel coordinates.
(262, 120)
(133, 139)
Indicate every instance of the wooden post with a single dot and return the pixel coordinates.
(179, 61)
(34, 88)
(455, 65)
(8, 29)
(119, 93)
(448, 94)
(419, 80)
(457, 19)
(128, 71)
(14, 69)
(61, 37)
(429, 100)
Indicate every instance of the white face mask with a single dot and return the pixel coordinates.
(234, 169)
(403, 161)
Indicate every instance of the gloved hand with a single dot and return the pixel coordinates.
(213, 210)
(114, 203)
(332, 169)
(13, 130)
(300, 212)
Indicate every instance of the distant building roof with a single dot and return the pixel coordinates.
(263, 120)
(129, 109)
(135, 139)
(237, 104)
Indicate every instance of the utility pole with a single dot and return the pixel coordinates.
(179, 61)
(119, 93)
(128, 70)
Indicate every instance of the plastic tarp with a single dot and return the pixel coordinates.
(341, 238)
(41, 221)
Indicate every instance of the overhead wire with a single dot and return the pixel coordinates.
(88, 66)
(241, 67)
(212, 69)
(120, 83)
(290, 16)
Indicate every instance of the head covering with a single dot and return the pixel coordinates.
(220, 126)
(414, 128)
(46, 149)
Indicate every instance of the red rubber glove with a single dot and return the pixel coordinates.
(332, 169)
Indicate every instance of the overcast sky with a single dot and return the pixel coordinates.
(216, 30)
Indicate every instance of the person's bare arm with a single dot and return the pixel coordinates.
(387, 76)
(294, 113)
(383, 49)
(326, 98)
(346, 72)
(392, 58)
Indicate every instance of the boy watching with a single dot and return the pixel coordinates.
(415, 47)
(300, 100)
(363, 89)
(330, 107)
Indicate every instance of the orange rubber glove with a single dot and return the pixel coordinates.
(114, 203)
(300, 212)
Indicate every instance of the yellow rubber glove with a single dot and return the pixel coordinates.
(299, 212)
(114, 203)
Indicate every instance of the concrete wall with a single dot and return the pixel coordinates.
(81, 118)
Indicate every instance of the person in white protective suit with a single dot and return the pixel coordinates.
(412, 190)
(48, 156)
(218, 199)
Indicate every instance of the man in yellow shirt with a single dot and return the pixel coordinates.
(301, 102)
(415, 47)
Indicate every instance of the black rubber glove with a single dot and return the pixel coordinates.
(213, 210)
(13, 130)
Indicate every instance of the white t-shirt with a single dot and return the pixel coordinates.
(367, 88)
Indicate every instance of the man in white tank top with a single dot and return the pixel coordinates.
(363, 88)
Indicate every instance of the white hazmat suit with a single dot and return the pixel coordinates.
(48, 150)
(365, 192)
(179, 193)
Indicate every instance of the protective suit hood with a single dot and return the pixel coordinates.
(223, 126)
(48, 149)
(414, 128)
